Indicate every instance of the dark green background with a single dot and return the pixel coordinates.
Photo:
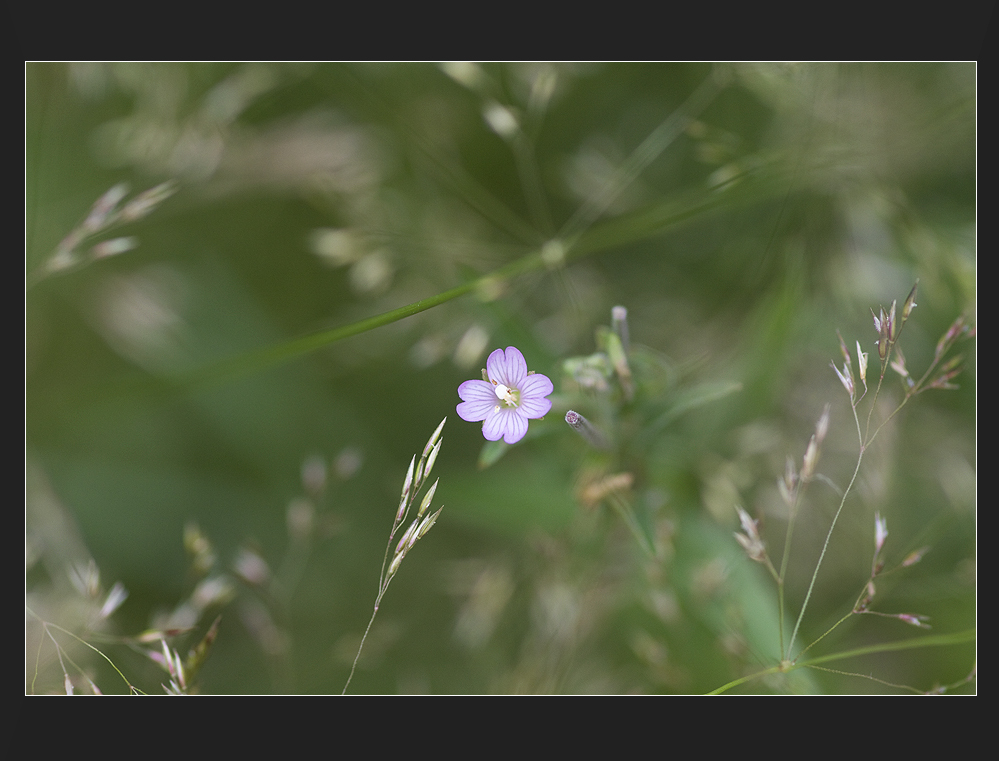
(853, 181)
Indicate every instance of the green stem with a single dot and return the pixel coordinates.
(360, 647)
(575, 240)
(825, 546)
(628, 516)
(49, 625)
(260, 359)
(783, 567)
(934, 640)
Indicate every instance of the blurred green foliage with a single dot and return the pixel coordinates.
(742, 214)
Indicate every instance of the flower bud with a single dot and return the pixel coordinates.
(914, 619)
(427, 499)
(880, 532)
(914, 557)
(947, 339)
(810, 460)
(586, 429)
(843, 349)
(619, 323)
(862, 363)
(404, 540)
(406, 486)
(433, 439)
(104, 207)
(788, 484)
(822, 426)
(845, 377)
(750, 540)
(882, 325)
(910, 303)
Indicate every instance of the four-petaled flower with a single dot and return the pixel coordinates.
(508, 399)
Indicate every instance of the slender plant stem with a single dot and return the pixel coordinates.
(825, 545)
(364, 637)
(571, 242)
(411, 489)
(47, 625)
(933, 640)
(866, 438)
(628, 516)
(783, 567)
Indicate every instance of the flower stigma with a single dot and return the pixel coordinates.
(509, 396)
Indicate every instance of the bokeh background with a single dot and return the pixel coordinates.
(742, 213)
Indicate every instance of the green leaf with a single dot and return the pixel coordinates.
(491, 452)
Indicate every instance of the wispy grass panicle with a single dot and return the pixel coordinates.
(157, 643)
(106, 214)
(750, 537)
(867, 595)
(416, 476)
(888, 324)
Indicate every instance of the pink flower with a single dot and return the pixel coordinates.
(508, 399)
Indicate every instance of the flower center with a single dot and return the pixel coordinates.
(509, 396)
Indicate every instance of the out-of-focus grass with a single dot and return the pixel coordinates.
(791, 200)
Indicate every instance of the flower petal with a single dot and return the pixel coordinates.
(533, 391)
(477, 390)
(506, 424)
(536, 386)
(473, 412)
(495, 365)
(516, 428)
(533, 407)
(508, 368)
(479, 399)
(495, 423)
